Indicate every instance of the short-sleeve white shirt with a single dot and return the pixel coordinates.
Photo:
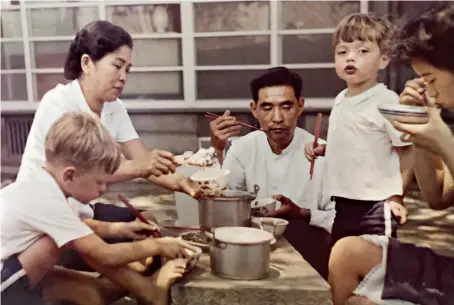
(33, 207)
(252, 162)
(361, 162)
(55, 103)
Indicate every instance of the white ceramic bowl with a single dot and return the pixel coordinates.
(404, 113)
(275, 226)
(261, 206)
(211, 180)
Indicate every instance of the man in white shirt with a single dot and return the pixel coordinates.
(273, 158)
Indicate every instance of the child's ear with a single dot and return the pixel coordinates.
(384, 62)
(68, 174)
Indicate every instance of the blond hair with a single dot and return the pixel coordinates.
(79, 139)
(363, 27)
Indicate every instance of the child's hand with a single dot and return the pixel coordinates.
(170, 272)
(134, 229)
(174, 247)
(311, 153)
(398, 210)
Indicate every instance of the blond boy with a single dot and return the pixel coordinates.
(367, 165)
(37, 225)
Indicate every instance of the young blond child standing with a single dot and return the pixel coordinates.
(37, 224)
(362, 168)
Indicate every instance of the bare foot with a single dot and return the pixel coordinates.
(161, 281)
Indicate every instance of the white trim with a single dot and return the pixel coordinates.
(13, 278)
(188, 52)
(135, 2)
(307, 31)
(168, 35)
(11, 71)
(102, 10)
(387, 216)
(27, 52)
(11, 39)
(311, 104)
(315, 65)
(232, 34)
(232, 67)
(51, 38)
(364, 6)
(58, 4)
(133, 69)
(275, 45)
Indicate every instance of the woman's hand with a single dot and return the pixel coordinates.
(434, 136)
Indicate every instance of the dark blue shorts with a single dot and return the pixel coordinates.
(418, 275)
(16, 285)
(357, 217)
(102, 212)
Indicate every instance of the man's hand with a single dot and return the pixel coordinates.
(289, 210)
(156, 163)
(311, 153)
(396, 206)
(222, 129)
(174, 247)
(134, 229)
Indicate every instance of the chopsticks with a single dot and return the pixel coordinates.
(142, 218)
(215, 116)
(318, 124)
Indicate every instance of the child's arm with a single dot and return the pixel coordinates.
(119, 254)
(133, 229)
(406, 159)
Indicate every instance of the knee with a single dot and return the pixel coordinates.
(354, 255)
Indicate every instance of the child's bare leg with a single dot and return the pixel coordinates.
(39, 258)
(359, 300)
(351, 259)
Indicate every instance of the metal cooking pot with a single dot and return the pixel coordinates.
(231, 209)
(240, 253)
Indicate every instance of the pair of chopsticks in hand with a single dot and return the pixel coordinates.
(142, 218)
(318, 124)
(215, 116)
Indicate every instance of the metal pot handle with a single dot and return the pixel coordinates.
(216, 243)
(256, 190)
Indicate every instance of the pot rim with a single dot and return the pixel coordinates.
(266, 239)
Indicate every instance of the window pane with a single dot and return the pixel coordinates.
(315, 14)
(14, 87)
(60, 21)
(320, 82)
(232, 16)
(311, 48)
(154, 85)
(243, 50)
(157, 52)
(11, 24)
(50, 54)
(162, 18)
(12, 54)
(47, 81)
(225, 84)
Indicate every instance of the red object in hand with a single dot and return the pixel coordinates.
(318, 125)
(138, 215)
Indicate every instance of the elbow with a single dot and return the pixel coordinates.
(437, 205)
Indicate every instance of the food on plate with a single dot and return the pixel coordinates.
(203, 158)
(196, 237)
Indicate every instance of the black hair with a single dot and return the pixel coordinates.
(429, 37)
(277, 76)
(96, 39)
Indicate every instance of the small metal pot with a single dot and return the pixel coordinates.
(240, 253)
(231, 209)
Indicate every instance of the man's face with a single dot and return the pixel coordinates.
(277, 111)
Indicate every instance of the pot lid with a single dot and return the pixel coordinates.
(241, 235)
(238, 194)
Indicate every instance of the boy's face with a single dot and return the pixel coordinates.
(358, 62)
(277, 111)
(84, 185)
(439, 83)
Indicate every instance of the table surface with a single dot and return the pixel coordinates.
(291, 281)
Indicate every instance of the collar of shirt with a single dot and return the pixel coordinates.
(79, 98)
(358, 99)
